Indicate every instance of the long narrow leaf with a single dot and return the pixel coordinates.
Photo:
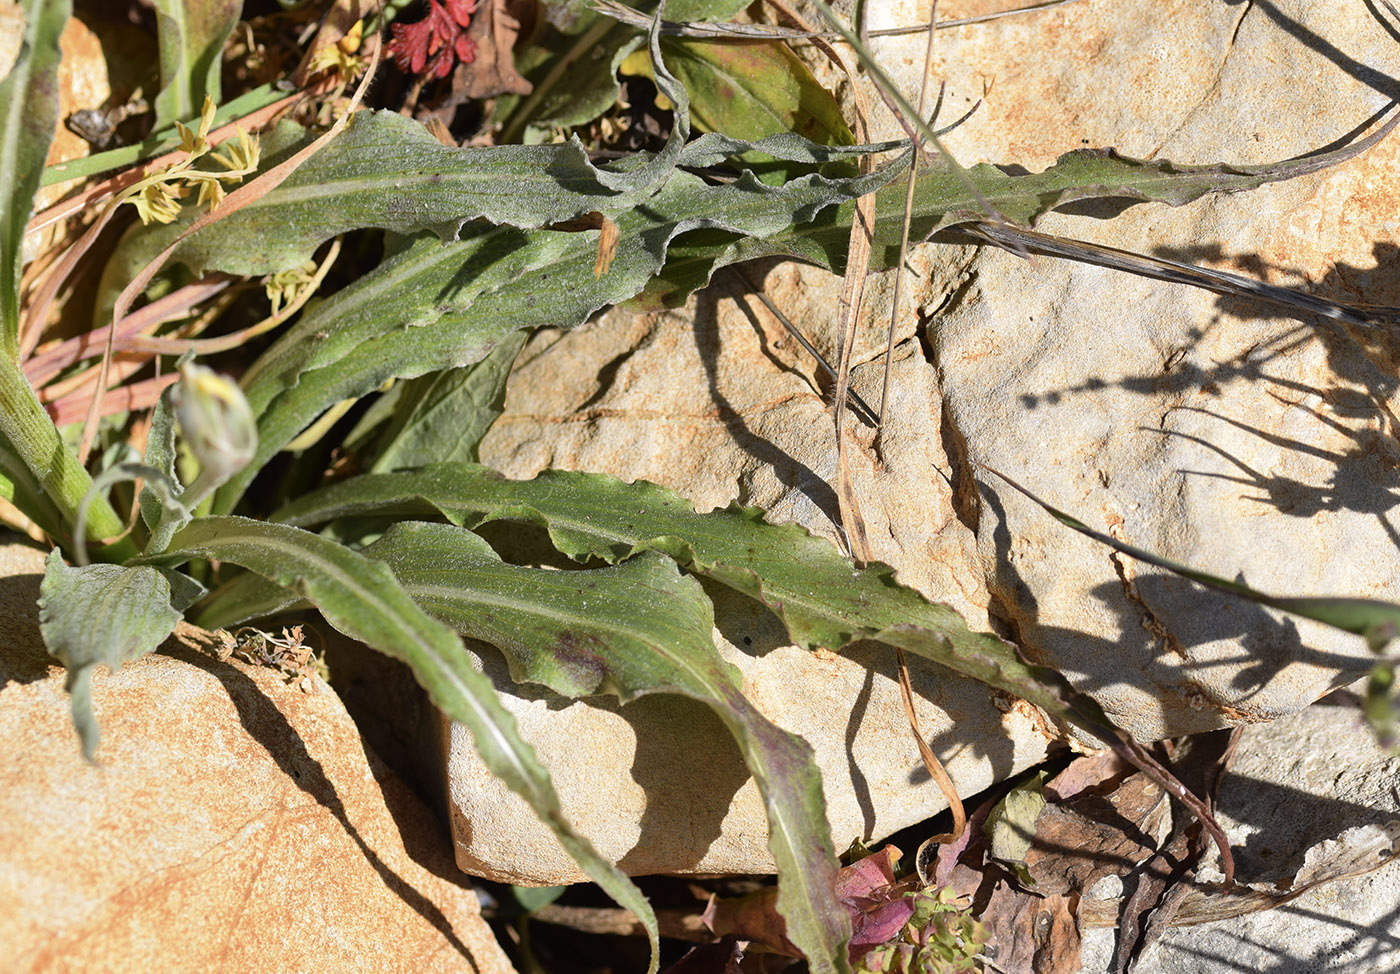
(637, 627)
(633, 628)
(28, 113)
(192, 35)
(361, 598)
(435, 306)
(822, 598)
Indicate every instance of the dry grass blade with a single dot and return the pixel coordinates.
(852, 523)
(848, 313)
(208, 346)
(752, 32)
(44, 366)
(123, 399)
(1017, 239)
(861, 407)
(908, 212)
(242, 196)
(931, 763)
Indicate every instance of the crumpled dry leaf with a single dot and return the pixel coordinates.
(877, 901)
(495, 27)
(1078, 842)
(1032, 934)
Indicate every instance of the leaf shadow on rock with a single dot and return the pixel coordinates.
(1259, 644)
(1267, 807)
(1367, 75)
(267, 725)
(667, 729)
(790, 472)
(21, 629)
(1370, 947)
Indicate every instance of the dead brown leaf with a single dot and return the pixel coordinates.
(1164, 881)
(495, 27)
(1032, 934)
(1080, 841)
(608, 237)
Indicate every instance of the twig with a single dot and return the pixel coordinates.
(751, 32)
(908, 210)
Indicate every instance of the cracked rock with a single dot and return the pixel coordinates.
(1213, 432)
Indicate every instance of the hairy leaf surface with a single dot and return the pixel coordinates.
(822, 598)
(28, 113)
(192, 35)
(104, 615)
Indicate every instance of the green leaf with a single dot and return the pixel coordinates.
(361, 598)
(822, 598)
(1011, 825)
(103, 615)
(444, 415)
(386, 171)
(532, 898)
(434, 306)
(1375, 621)
(192, 36)
(638, 627)
(752, 89)
(28, 114)
(160, 455)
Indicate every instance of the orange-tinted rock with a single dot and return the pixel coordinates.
(231, 823)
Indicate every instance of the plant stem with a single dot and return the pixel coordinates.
(35, 440)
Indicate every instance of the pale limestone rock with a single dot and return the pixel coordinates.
(660, 786)
(231, 822)
(1082, 383)
(1216, 433)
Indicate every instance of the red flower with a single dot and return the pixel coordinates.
(433, 46)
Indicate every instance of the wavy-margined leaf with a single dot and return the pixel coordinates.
(435, 306)
(941, 201)
(1375, 621)
(361, 598)
(105, 615)
(640, 626)
(822, 598)
(28, 113)
(386, 171)
(637, 627)
(192, 35)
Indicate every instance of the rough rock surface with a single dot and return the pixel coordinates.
(1297, 785)
(231, 823)
(1215, 432)
(659, 785)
